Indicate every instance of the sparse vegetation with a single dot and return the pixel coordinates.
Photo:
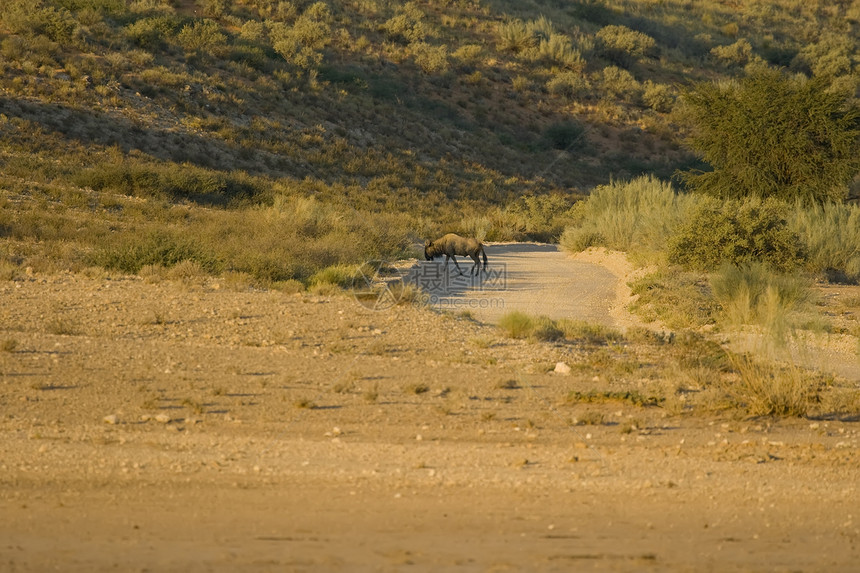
(517, 324)
(279, 145)
(765, 389)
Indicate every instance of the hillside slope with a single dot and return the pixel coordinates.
(489, 117)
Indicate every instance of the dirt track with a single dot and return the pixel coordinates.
(537, 279)
(182, 426)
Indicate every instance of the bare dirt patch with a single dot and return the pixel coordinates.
(177, 426)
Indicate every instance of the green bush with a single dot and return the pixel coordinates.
(680, 299)
(831, 56)
(202, 38)
(407, 26)
(658, 97)
(567, 84)
(558, 50)
(431, 59)
(25, 18)
(774, 135)
(302, 43)
(151, 33)
(620, 83)
(587, 331)
(622, 45)
(738, 54)
(160, 181)
(736, 232)
(542, 217)
(565, 135)
(518, 324)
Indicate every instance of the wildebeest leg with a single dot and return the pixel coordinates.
(477, 268)
(453, 258)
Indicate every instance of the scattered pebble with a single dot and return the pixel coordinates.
(111, 419)
(562, 368)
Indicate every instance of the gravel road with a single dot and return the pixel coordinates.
(534, 278)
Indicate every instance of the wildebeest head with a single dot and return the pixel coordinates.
(429, 250)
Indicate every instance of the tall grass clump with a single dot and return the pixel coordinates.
(131, 252)
(752, 294)
(637, 215)
(518, 324)
(339, 275)
(514, 36)
(767, 389)
(830, 233)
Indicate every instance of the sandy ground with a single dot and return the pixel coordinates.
(182, 426)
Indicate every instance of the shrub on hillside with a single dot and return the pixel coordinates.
(22, 17)
(302, 43)
(738, 54)
(565, 135)
(736, 232)
(161, 181)
(431, 59)
(407, 26)
(567, 84)
(202, 38)
(620, 83)
(659, 97)
(621, 45)
(831, 56)
(131, 252)
(151, 33)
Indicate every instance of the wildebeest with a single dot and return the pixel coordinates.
(453, 244)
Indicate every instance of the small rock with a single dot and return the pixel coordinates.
(562, 368)
(162, 418)
(112, 419)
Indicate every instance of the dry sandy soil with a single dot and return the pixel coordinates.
(183, 426)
